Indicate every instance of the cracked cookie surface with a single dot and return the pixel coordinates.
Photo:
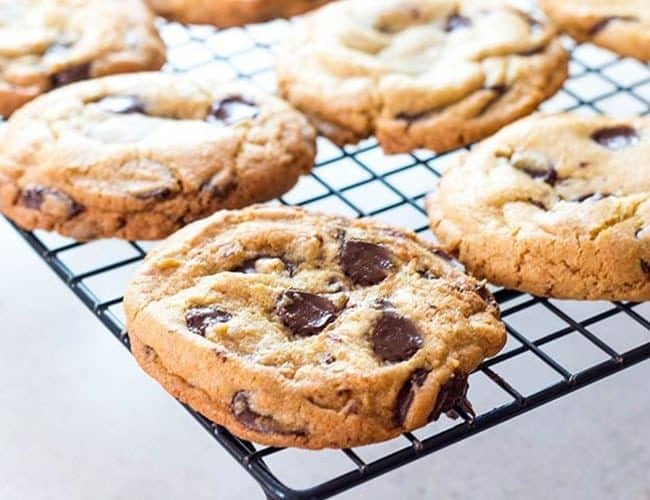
(226, 13)
(294, 328)
(419, 73)
(619, 25)
(554, 205)
(48, 43)
(139, 156)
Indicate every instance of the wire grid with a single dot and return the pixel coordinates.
(554, 347)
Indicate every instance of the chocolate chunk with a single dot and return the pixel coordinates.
(457, 21)
(439, 252)
(243, 412)
(591, 197)
(122, 104)
(249, 266)
(395, 338)
(645, 266)
(538, 204)
(159, 194)
(616, 138)
(231, 110)
(383, 304)
(305, 314)
(34, 197)
(549, 175)
(71, 75)
(199, 319)
(407, 393)
(366, 263)
(485, 294)
(452, 395)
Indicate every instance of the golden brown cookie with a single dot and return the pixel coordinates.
(419, 73)
(556, 206)
(226, 13)
(48, 43)
(619, 25)
(139, 156)
(301, 329)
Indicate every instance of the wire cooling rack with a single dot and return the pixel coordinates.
(554, 347)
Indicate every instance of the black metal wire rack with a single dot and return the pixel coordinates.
(554, 347)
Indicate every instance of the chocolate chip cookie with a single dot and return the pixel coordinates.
(556, 206)
(48, 43)
(619, 25)
(139, 156)
(419, 73)
(293, 328)
(226, 13)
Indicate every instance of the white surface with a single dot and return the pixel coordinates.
(78, 420)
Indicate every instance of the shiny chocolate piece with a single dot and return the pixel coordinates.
(616, 138)
(406, 395)
(305, 314)
(456, 22)
(453, 396)
(231, 110)
(34, 197)
(70, 75)
(243, 412)
(395, 338)
(366, 263)
(159, 194)
(199, 319)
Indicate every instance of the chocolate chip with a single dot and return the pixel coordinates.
(199, 319)
(549, 175)
(645, 266)
(366, 263)
(439, 252)
(457, 21)
(231, 110)
(395, 338)
(538, 204)
(34, 197)
(249, 266)
(482, 291)
(122, 104)
(243, 412)
(383, 304)
(71, 75)
(452, 395)
(591, 197)
(159, 194)
(406, 395)
(616, 138)
(305, 314)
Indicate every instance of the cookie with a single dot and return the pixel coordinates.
(139, 156)
(419, 73)
(226, 13)
(45, 44)
(619, 25)
(301, 329)
(556, 205)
